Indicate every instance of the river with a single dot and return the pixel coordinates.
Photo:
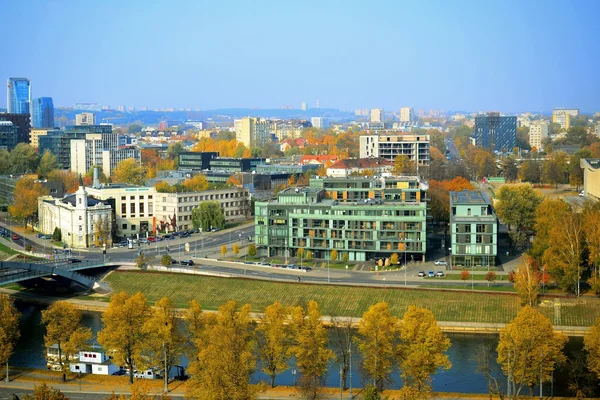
(462, 377)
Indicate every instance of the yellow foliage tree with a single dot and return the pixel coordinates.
(9, 330)
(129, 171)
(527, 281)
(26, 195)
(334, 255)
(274, 340)
(236, 249)
(223, 250)
(197, 183)
(591, 343)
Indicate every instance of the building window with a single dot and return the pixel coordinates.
(133, 227)
(80, 217)
(141, 207)
(131, 197)
(123, 208)
(124, 226)
(123, 198)
(132, 208)
(468, 211)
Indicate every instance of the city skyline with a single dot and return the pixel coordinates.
(459, 55)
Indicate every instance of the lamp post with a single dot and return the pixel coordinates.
(328, 280)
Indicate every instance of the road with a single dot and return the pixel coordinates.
(452, 149)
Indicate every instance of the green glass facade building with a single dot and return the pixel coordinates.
(364, 217)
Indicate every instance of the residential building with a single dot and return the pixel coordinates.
(93, 362)
(58, 143)
(22, 122)
(34, 136)
(304, 106)
(319, 122)
(291, 129)
(597, 129)
(591, 177)
(562, 116)
(497, 133)
(84, 119)
(42, 113)
(538, 131)
(474, 230)
(196, 161)
(416, 147)
(363, 218)
(75, 215)
(407, 114)
(377, 115)
(344, 168)
(8, 135)
(18, 96)
(318, 160)
(253, 132)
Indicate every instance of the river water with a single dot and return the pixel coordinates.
(462, 377)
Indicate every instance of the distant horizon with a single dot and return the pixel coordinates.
(348, 55)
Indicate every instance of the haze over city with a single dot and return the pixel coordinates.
(462, 55)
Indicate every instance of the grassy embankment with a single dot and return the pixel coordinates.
(465, 306)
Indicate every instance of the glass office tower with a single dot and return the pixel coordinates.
(18, 95)
(42, 112)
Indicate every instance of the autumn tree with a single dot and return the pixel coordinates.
(25, 204)
(141, 261)
(310, 349)
(48, 163)
(274, 340)
(591, 230)
(403, 165)
(529, 350)
(65, 333)
(530, 171)
(164, 187)
(223, 250)
(376, 340)
(333, 255)
(422, 349)
(516, 208)
(129, 171)
(490, 277)
(510, 170)
(208, 215)
(197, 183)
(527, 281)
(591, 344)
(251, 250)
(69, 179)
(226, 361)
(9, 330)
(234, 180)
(549, 214)
(464, 275)
(555, 169)
(165, 340)
(394, 259)
(122, 333)
(565, 253)
(236, 249)
(45, 392)
(166, 260)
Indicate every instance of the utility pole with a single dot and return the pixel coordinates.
(350, 366)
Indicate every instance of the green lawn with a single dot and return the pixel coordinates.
(5, 249)
(475, 277)
(465, 306)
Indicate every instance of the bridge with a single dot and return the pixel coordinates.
(12, 272)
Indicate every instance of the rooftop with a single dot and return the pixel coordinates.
(362, 163)
(468, 197)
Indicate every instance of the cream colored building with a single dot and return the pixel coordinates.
(415, 147)
(85, 119)
(591, 177)
(75, 215)
(407, 114)
(562, 116)
(377, 115)
(34, 135)
(253, 132)
(538, 131)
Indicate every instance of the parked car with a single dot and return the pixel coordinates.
(122, 243)
(187, 262)
(421, 274)
(15, 237)
(152, 239)
(73, 260)
(307, 269)
(292, 266)
(440, 273)
(143, 240)
(215, 229)
(431, 274)
(185, 235)
(440, 263)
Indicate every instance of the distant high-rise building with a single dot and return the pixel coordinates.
(84, 119)
(538, 131)
(42, 113)
(407, 114)
(319, 122)
(18, 95)
(253, 132)
(317, 103)
(496, 132)
(377, 115)
(304, 107)
(562, 116)
(121, 108)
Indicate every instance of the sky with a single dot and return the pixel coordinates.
(481, 55)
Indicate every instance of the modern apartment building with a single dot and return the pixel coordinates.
(57, 142)
(415, 147)
(407, 114)
(196, 160)
(83, 119)
(364, 218)
(497, 133)
(538, 131)
(253, 132)
(18, 96)
(42, 113)
(474, 230)
(8, 135)
(319, 122)
(562, 116)
(377, 115)
(22, 122)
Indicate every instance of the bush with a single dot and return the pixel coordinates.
(464, 275)
(490, 276)
(166, 260)
(252, 250)
(57, 235)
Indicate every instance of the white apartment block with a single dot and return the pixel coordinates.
(100, 149)
(319, 122)
(377, 115)
(416, 147)
(85, 119)
(407, 114)
(538, 131)
(253, 132)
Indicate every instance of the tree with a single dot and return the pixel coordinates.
(310, 348)
(345, 257)
(45, 392)
(208, 215)
(174, 150)
(234, 180)
(166, 260)
(122, 332)
(309, 255)
(69, 179)
(333, 255)
(164, 187)
(564, 256)
(377, 335)
(102, 230)
(555, 169)
(64, 330)
(591, 344)
(527, 281)
(591, 230)
(24, 159)
(197, 183)
(5, 166)
(223, 250)
(227, 360)
(251, 250)
(529, 349)
(394, 259)
(26, 194)
(129, 171)
(274, 340)
(575, 170)
(343, 333)
(9, 330)
(165, 340)
(300, 252)
(141, 261)
(422, 349)
(134, 128)
(56, 235)
(236, 249)
(548, 215)
(403, 164)
(530, 171)
(510, 171)
(490, 277)
(464, 275)
(516, 208)
(48, 162)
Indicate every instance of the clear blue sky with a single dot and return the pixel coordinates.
(451, 54)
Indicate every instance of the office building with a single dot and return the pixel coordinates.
(474, 230)
(233, 165)
(562, 116)
(319, 122)
(496, 132)
(414, 146)
(196, 161)
(8, 135)
(42, 113)
(377, 115)
(354, 166)
(36, 133)
(18, 95)
(58, 143)
(304, 107)
(538, 131)
(591, 177)
(363, 218)
(84, 119)
(407, 114)
(253, 132)
(22, 122)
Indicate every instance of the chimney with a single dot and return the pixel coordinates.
(96, 184)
